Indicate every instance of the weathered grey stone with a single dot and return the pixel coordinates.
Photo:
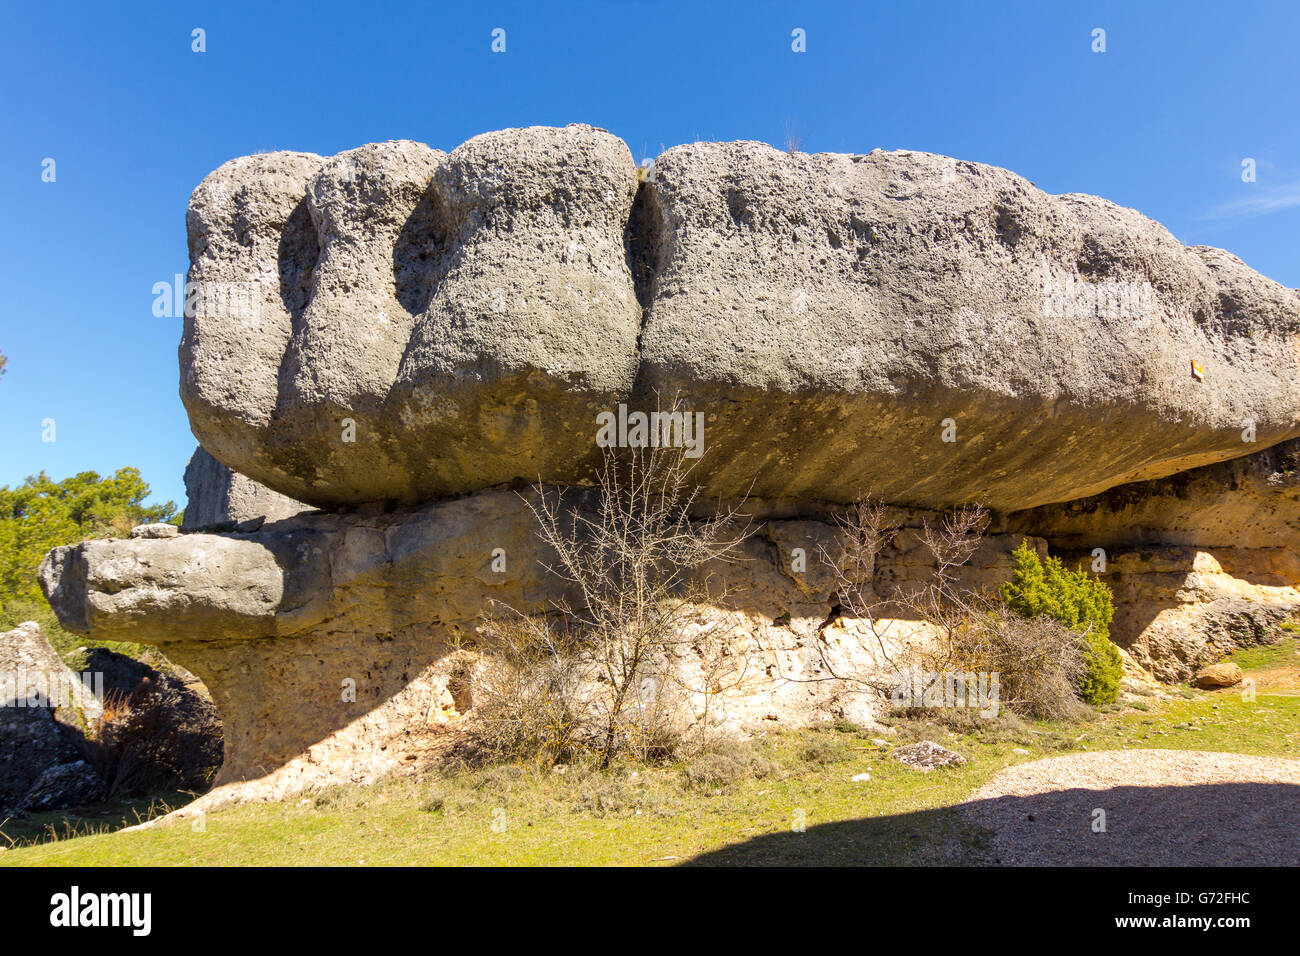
(220, 496)
(250, 231)
(158, 530)
(927, 755)
(43, 705)
(423, 328)
(465, 318)
(434, 324)
(829, 312)
(64, 785)
(276, 621)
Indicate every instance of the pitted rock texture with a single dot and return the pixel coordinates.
(430, 324)
(274, 621)
(219, 496)
(833, 310)
(1249, 502)
(277, 621)
(1177, 609)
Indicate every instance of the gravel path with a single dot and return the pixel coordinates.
(1162, 808)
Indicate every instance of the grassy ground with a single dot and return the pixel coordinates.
(102, 818)
(708, 809)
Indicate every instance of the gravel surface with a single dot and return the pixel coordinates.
(1162, 808)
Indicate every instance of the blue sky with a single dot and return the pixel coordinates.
(134, 119)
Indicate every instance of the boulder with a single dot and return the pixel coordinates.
(1219, 675)
(832, 314)
(927, 755)
(221, 496)
(158, 530)
(64, 785)
(401, 336)
(1177, 609)
(44, 707)
(426, 323)
(408, 324)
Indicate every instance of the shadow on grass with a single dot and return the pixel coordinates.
(109, 817)
(1234, 824)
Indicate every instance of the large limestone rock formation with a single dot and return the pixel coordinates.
(423, 324)
(329, 642)
(829, 312)
(401, 337)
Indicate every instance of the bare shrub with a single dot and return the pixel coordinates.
(1038, 661)
(524, 702)
(603, 674)
(937, 600)
(969, 631)
(162, 737)
(726, 763)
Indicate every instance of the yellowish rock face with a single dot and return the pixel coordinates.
(1219, 675)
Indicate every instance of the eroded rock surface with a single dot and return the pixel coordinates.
(832, 310)
(1179, 608)
(399, 335)
(220, 496)
(331, 642)
(426, 324)
(1200, 563)
(334, 644)
(1251, 502)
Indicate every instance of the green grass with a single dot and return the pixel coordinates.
(627, 815)
(38, 828)
(1279, 653)
(738, 804)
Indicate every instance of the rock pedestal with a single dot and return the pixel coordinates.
(399, 336)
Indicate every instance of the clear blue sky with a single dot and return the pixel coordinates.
(134, 120)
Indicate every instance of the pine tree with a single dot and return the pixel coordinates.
(1077, 601)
